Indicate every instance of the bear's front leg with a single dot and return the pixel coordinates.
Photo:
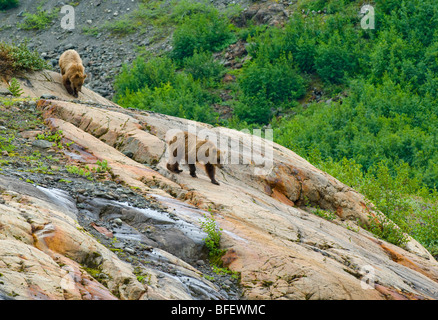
(210, 170)
(67, 85)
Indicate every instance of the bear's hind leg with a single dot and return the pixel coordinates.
(210, 170)
(192, 168)
(173, 167)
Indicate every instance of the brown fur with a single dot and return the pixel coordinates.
(191, 147)
(72, 71)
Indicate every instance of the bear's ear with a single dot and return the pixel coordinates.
(85, 75)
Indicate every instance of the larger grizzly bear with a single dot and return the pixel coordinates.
(186, 146)
(72, 71)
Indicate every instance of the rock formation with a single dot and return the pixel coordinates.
(280, 248)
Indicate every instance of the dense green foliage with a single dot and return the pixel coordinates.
(376, 126)
(391, 110)
(37, 21)
(15, 58)
(264, 84)
(7, 4)
(154, 85)
(179, 84)
(205, 31)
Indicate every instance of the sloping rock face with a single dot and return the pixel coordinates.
(46, 254)
(264, 205)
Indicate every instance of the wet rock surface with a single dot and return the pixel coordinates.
(160, 248)
(163, 255)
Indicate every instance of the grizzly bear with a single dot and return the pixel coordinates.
(72, 71)
(184, 145)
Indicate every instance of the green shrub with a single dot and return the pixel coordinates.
(277, 81)
(202, 66)
(201, 32)
(37, 21)
(333, 61)
(212, 241)
(254, 109)
(156, 85)
(144, 73)
(184, 9)
(384, 122)
(183, 97)
(8, 4)
(402, 199)
(118, 27)
(15, 88)
(14, 58)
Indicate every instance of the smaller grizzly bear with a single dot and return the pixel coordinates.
(184, 145)
(72, 71)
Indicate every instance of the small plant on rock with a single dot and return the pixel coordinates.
(212, 241)
(14, 87)
(102, 166)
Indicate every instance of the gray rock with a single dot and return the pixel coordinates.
(5, 92)
(43, 144)
(48, 96)
(69, 46)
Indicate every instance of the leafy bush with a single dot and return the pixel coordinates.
(15, 88)
(265, 87)
(212, 241)
(253, 109)
(278, 81)
(405, 201)
(202, 66)
(15, 58)
(184, 101)
(333, 62)
(384, 122)
(201, 32)
(7, 4)
(37, 21)
(154, 85)
(299, 38)
(144, 73)
(119, 27)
